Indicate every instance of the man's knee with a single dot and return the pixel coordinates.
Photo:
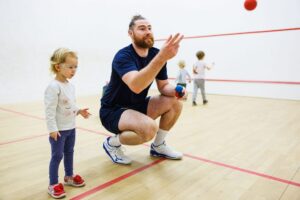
(176, 105)
(149, 131)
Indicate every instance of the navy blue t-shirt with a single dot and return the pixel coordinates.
(126, 60)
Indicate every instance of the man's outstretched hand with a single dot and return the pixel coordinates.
(171, 46)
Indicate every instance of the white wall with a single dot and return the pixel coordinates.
(31, 30)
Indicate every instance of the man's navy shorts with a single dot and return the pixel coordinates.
(110, 116)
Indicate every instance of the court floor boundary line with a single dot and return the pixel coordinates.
(23, 139)
(269, 177)
(244, 170)
(116, 180)
(21, 113)
(46, 134)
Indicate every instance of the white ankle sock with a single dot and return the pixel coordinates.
(114, 141)
(160, 137)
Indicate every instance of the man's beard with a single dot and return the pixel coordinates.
(145, 43)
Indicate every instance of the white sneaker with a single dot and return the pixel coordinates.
(116, 154)
(164, 151)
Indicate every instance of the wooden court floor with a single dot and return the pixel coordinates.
(234, 148)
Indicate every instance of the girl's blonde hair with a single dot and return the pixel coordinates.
(59, 56)
(181, 64)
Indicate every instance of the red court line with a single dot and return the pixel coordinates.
(116, 180)
(19, 113)
(92, 131)
(197, 158)
(255, 81)
(23, 139)
(250, 81)
(244, 170)
(238, 33)
(225, 165)
(46, 134)
(36, 136)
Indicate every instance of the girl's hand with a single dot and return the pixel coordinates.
(55, 135)
(84, 113)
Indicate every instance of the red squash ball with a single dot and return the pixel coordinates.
(250, 4)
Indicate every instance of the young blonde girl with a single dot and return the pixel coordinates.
(182, 76)
(60, 110)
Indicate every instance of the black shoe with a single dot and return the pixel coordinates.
(194, 103)
(205, 102)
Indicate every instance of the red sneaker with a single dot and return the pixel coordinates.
(75, 181)
(56, 191)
